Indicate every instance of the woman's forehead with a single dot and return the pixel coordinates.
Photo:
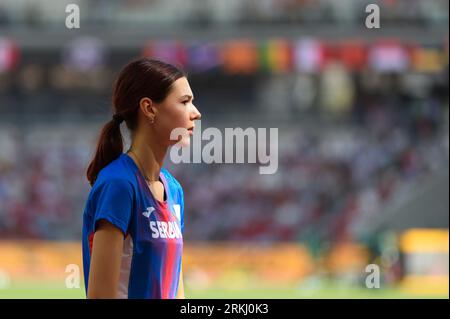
(181, 87)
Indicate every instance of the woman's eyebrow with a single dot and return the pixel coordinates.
(188, 96)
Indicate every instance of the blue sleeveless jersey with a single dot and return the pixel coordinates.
(153, 230)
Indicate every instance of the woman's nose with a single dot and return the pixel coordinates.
(197, 114)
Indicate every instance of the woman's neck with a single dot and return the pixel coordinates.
(150, 157)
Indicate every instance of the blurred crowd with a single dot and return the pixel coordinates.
(321, 191)
(42, 183)
(336, 170)
(362, 120)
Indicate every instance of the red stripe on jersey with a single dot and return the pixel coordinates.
(171, 252)
(91, 240)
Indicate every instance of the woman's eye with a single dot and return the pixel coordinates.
(185, 102)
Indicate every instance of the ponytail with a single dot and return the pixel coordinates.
(109, 147)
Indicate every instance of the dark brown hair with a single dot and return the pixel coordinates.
(138, 79)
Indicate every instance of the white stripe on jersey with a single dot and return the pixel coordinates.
(125, 268)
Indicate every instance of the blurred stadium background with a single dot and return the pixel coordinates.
(363, 141)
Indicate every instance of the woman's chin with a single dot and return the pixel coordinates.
(184, 141)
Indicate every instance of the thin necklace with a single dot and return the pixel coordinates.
(140, 166)
(143, 173)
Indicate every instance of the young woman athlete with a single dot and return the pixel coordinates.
(133, 220)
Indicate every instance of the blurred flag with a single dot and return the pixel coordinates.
(240, 56)
(353, 54)
(388, 56)
(427, 59)
(172, 52)
(309, 55)
(9, 55)
(203, 57)
(276, 56)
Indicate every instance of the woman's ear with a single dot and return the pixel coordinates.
(148, 108)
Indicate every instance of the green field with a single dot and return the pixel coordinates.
(51, 290)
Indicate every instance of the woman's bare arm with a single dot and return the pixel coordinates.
(105, 261)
